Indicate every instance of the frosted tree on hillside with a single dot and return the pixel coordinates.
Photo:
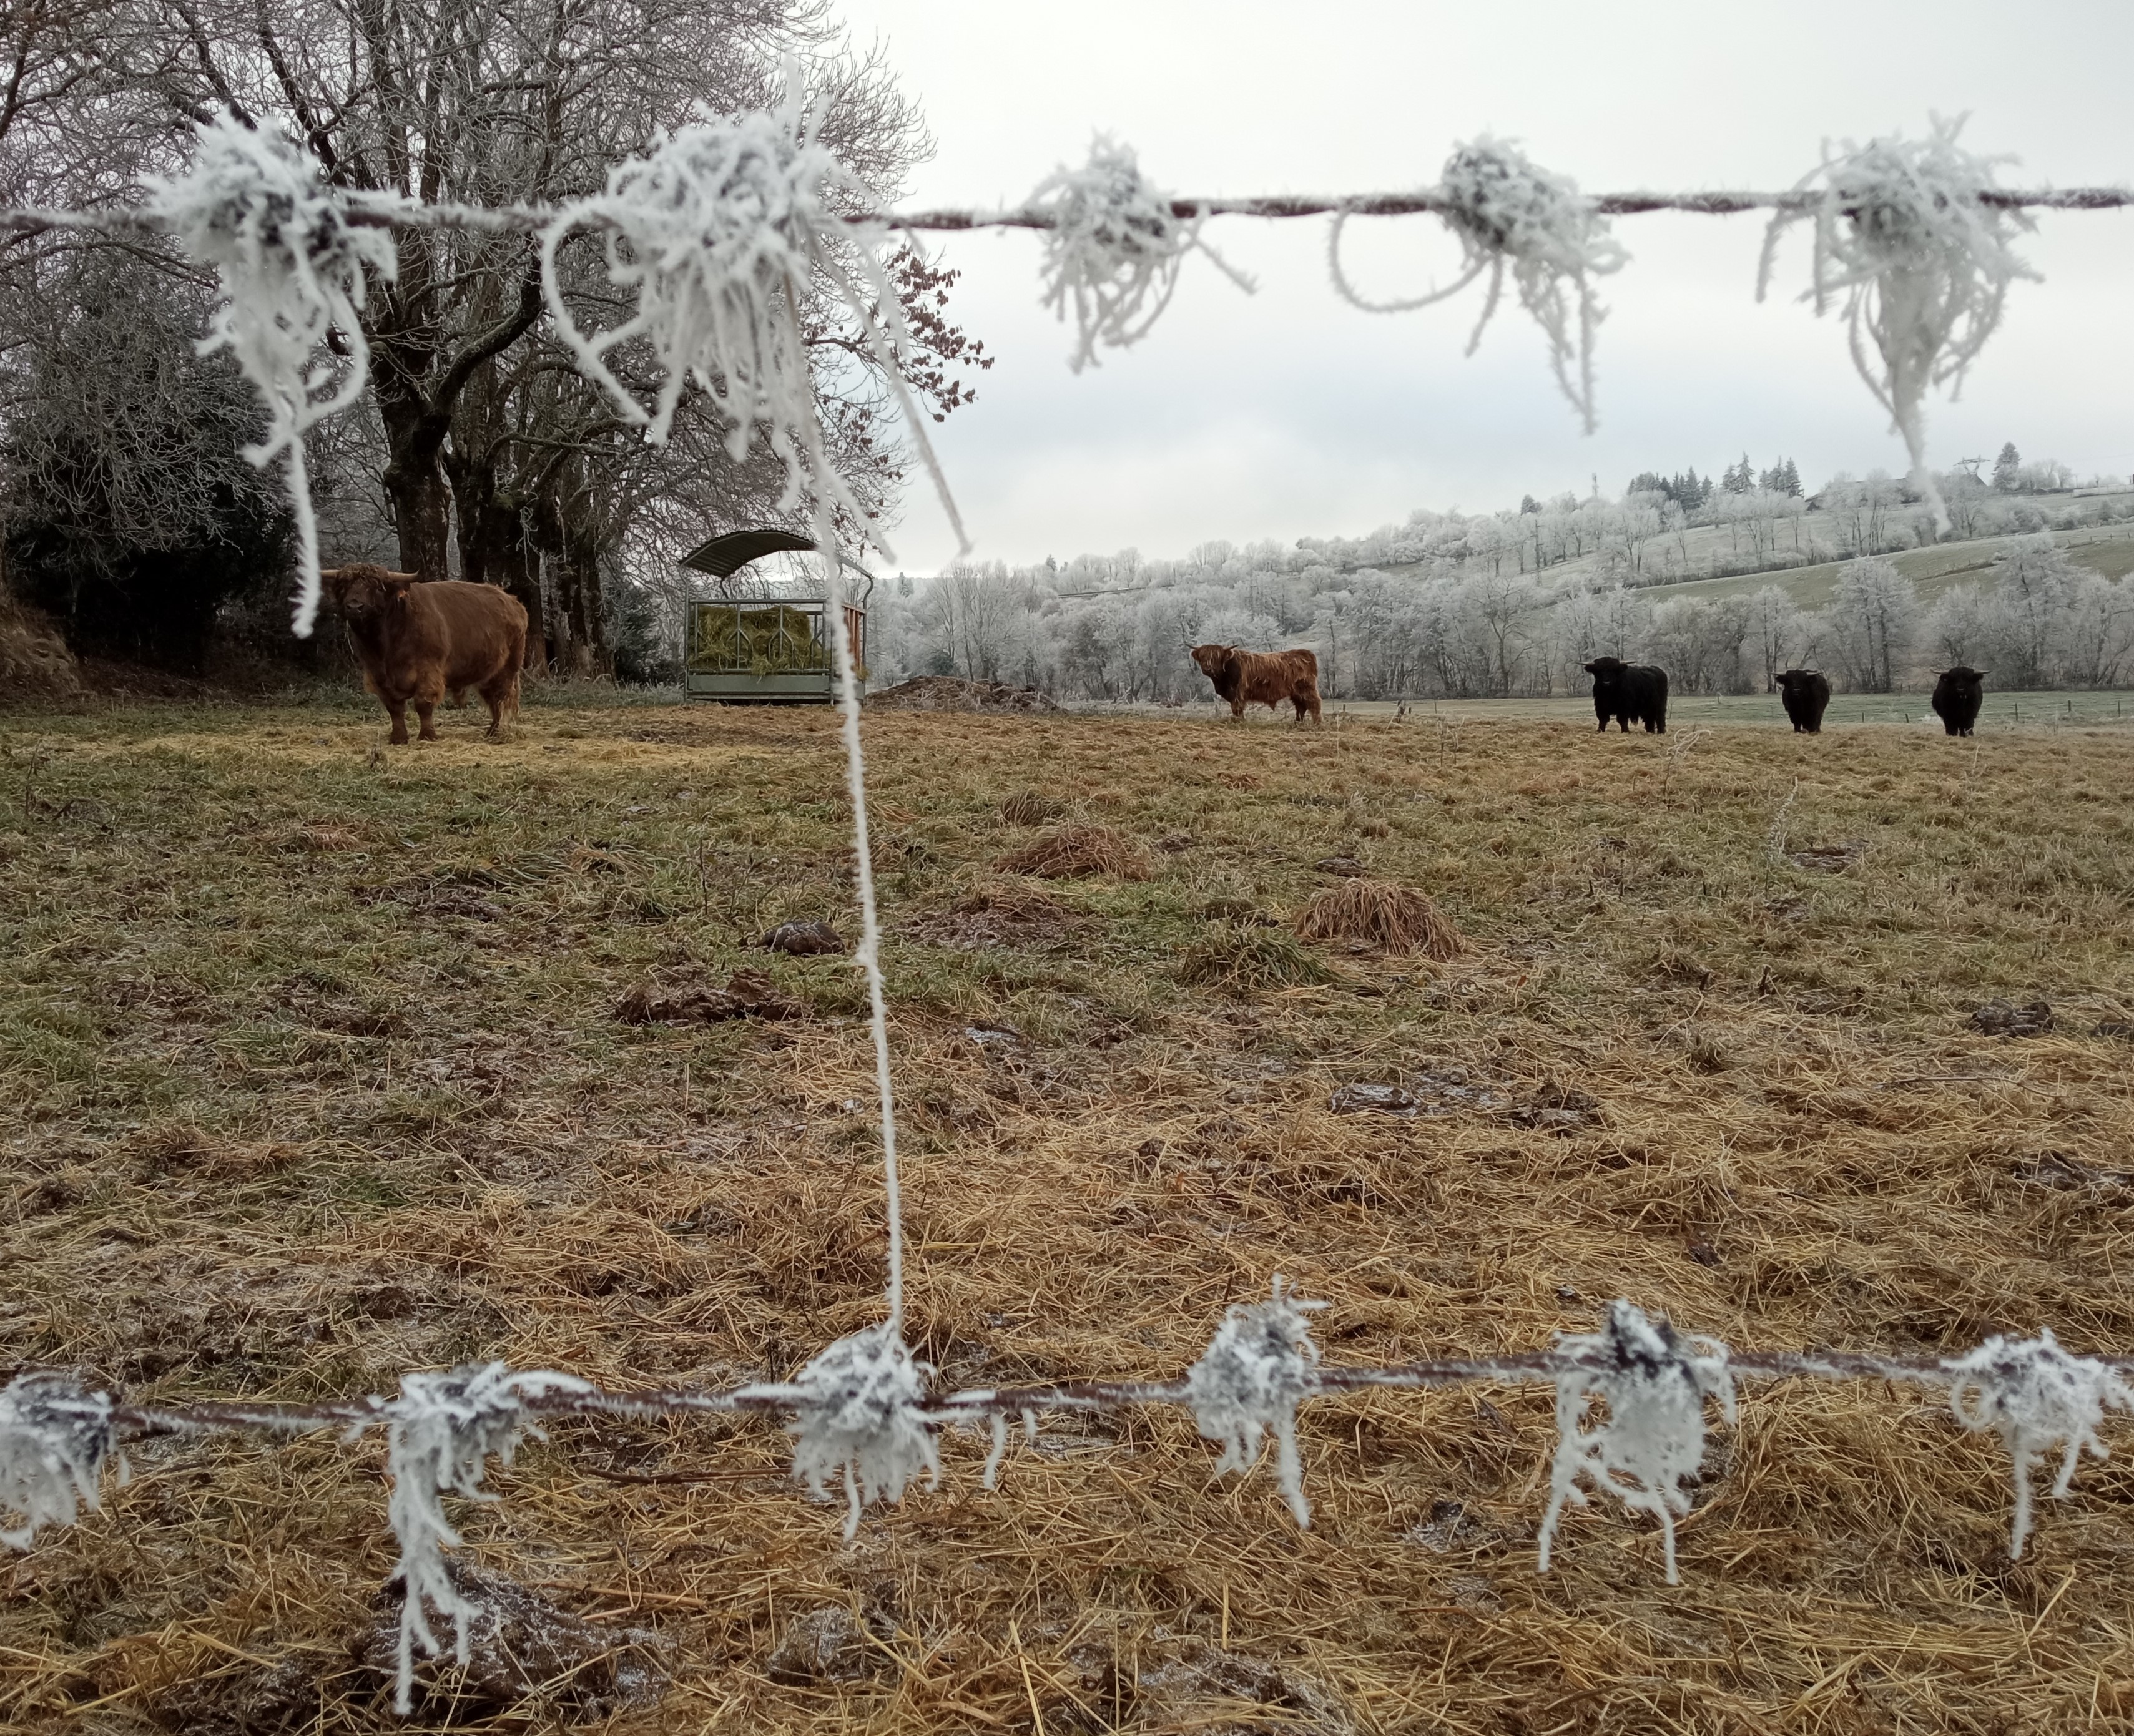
(1776, 633)
(2033, 587)
(1873, 620)
(2008, 469)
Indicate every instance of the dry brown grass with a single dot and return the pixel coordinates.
(1080, 852)
(1030, 808)
(268, 1132)
(1397, 920)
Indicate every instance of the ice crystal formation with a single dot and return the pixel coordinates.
(1653, 1383)
(1919, 262)
(2035, 1397)
(1113, 249)
(290, 262)
(1258, 1368)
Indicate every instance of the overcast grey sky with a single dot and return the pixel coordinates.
(1288, 413)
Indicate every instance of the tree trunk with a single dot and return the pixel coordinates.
(576, 624)
(578, 603)
(494, 548)
(415, 481)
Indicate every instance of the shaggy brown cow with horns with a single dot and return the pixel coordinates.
(419, 641)
(1262, 677)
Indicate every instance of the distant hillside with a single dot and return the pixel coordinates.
(1945, 566)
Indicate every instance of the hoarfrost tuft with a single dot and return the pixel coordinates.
(1922, 263)
(2035, 1397)
(1508, 212)
(54, 1435)
(858, 1412)
(1248, 1382)
(1654, 1382)
(718, 232)
(1114, 244)
(291, 263)
(440, 1433)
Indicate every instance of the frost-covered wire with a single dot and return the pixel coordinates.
(1113, 245)
(859, 1411)
(868, 953)
(1921, 259)
(1508, 214)
(863, 1410)
(440, 1434)
(290, 266)
(1259, 1366)
(54, 1435)
(2035, 1397)
(717, 231)
(1654, 1383)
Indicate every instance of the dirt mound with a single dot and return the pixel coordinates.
(952, 693)
(35, 666)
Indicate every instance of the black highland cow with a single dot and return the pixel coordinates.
(1629, 694)
(1957, 695)
(1806, 697)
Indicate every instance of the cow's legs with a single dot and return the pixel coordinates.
(397, 710)
(501, 695)
(1237, 708)
(426, 709)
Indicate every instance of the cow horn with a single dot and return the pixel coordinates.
(403, 576)
(328, 572)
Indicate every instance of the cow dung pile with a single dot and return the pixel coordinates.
(1396, 919)
(1080, 852)
(953, 693)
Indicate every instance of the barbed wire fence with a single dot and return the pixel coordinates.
(714, 232)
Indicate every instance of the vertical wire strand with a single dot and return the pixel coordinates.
(870, 946)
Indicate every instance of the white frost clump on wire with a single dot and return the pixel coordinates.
(859, 1412)
(1508, 213)
(291, 264)
(440, 1432)
(54, 1438)
(2036, 1397)
(1922, 264)
(1654, 1383)
(718, 233)
(1258, 1368)
(1113, 243)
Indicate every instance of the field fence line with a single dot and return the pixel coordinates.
(1631, 1402)
(715, 233)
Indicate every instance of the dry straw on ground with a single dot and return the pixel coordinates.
(1397, 919)
(267, 1133)
(1077, 852)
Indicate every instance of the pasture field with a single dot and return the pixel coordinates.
(310, 1074)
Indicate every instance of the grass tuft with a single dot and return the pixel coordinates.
(1396, 919)
(1080, 852)
(1246, 959)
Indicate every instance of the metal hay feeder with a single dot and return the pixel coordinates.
(765, 650)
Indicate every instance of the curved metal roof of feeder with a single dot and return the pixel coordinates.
(723, 557)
